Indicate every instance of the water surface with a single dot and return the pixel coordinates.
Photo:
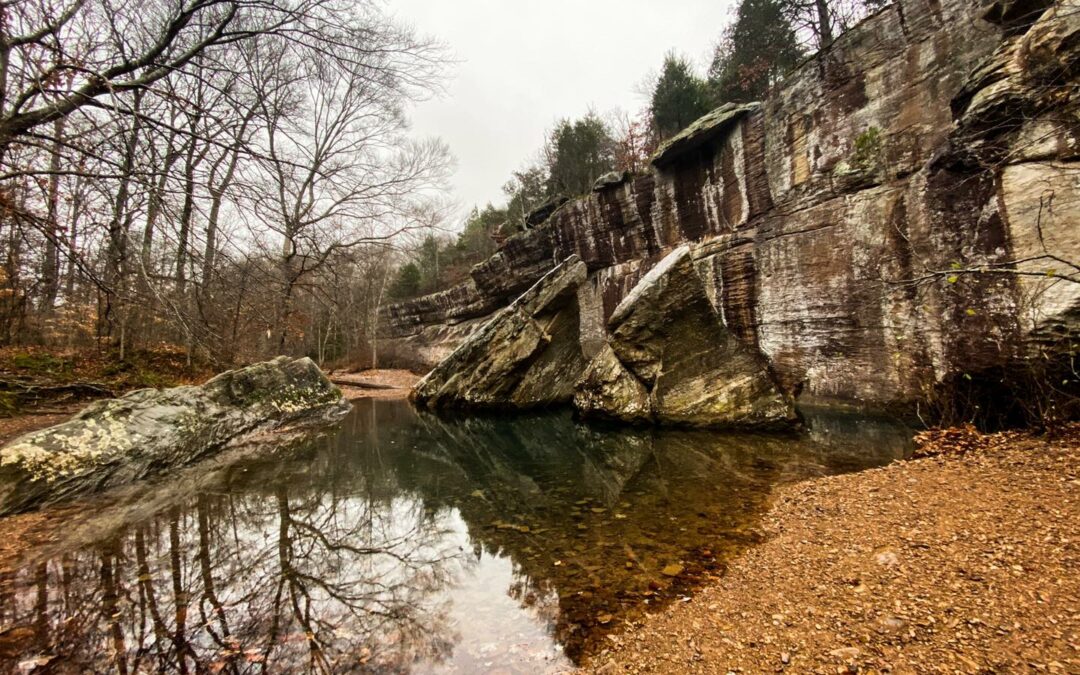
(404, 542)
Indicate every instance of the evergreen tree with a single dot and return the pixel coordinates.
(475, 241)
(578, 153)
(756, 50)
(526, 190)
(407, 283)
(429, 259)
(679, 98)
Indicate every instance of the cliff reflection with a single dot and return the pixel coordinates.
(615, 520)
(406, 542)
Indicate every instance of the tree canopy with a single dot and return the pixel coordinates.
(754, 53)
(578, 152)
(679, 97)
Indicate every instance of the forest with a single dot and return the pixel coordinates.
(233, 180)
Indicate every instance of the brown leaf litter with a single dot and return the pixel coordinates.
(964, 561)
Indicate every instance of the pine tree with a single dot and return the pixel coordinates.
(407, 283)
(679, 98)
(578, 153)
(756, 50)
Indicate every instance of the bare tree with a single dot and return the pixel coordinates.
(338, 177)
(181, 170)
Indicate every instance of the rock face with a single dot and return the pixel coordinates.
(150, 431)
(529, 355)
(672, 361)
(826, 222)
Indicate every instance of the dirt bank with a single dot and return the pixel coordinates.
(375, 383)
(954, 564)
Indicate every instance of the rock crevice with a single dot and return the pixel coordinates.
(671, 360)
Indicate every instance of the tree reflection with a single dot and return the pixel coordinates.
(286, 580)
(348, 555)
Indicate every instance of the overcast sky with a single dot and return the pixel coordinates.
(526, 63)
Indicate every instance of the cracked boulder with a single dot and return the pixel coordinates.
(150, 431)
(671, 360)
(611, 391)
(527, 356)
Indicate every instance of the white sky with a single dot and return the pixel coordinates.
(523, 64)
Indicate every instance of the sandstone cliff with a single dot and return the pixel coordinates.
(864, 227)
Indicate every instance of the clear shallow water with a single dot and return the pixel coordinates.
(405, 542)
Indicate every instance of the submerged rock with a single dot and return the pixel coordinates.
(528, 355)
(150, 431)
(671, 359)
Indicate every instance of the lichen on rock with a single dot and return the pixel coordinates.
(148, 431)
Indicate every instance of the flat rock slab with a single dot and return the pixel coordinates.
(150, 431)
(705, 130)
(672, 360)
(527, 356)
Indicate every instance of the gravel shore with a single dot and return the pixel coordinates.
(966, 561)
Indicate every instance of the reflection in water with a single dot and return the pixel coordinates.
(406, 542)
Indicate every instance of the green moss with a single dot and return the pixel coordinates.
(149, 378)
(9, 403)
(868, 147)
(41, 363)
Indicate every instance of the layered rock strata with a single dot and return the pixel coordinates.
(529, 355)
(901, 211)
(671, 360)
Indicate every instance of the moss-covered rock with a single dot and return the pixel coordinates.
(671, 359)
(150, 431)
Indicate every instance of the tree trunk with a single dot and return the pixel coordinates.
(825, 36)
(50, 270)
(73, 243)
(154, 204)
(116, 248)
(288, 284)
(185, 220)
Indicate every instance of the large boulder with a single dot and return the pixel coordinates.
(610, 180)
(672, 360)
(608, 389)
(527, 356)
(151, 431)
(541, 213)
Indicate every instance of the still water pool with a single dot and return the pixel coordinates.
(405, 542)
